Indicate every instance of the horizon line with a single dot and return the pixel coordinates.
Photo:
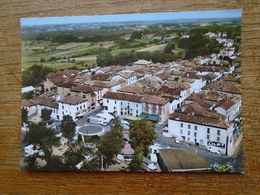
(159, 16)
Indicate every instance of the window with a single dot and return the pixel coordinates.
(62, 107)
(218, 132)
(188, 132)
(121, 103)
(115, 102)
(80, 107)
(188, 138)
(201, 141)
(208, 136)
(188, 126)
(181, 131)
(195, 134)
(181, 124)
(195, 127)
(208, 130)
(107, 101)
(218, 139)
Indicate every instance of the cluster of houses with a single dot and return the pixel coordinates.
(200, 98)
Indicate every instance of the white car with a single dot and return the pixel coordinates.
(177, 141)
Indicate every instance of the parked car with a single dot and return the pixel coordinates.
(177, 141)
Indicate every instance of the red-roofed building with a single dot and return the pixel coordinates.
(230, 108)
(126, 153)
(195, 124)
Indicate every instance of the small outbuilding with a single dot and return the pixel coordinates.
(181, 160)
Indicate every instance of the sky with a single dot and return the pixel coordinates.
(132, 17)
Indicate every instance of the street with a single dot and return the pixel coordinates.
(83, 120)
(236, 160)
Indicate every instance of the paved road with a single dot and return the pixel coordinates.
(236, 160)
(83, 121)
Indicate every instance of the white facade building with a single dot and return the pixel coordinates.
(208, 130)
(73, 106)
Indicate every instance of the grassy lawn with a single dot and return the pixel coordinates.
(117, 51)
(56, 65)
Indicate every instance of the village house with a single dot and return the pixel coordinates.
(127, 76)
(73, 106)
(135, 105)
(197, 125)
(86, 92)
(230, 108)
(52, 83)
(37, 104)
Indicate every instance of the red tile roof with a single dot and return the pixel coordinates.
(101, 77)
(83, 89)
(154, 100)
(229, 87)
(199, 100)
(67, 85)
(72, 100)
(227, 104)
(194, 113)
(123, 96)
(57, 80)
(163, 76)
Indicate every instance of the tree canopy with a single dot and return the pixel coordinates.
(112, 141)
(46, 114)
(24, 115)
(199, 45)
(136, 163)
(68, 127)
(142, 135)
(104, 59)
(35, 75)
(40, 135)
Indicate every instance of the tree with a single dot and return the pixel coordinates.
(137, 35)
(35, 75)
(42, 60)
(68, 127)
(40, 135)
(93, 165)
(104, 59)
(136, 163)
(54, 163)
(142, 135)
(24, 115)
(46, 114)
(124, 58)
(112, 141)
(169, 47)
(27, 95)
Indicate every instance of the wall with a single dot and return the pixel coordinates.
(14, 181)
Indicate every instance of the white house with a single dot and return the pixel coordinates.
(230, 109)
(127, 104)
(127, 76)
(123, 104)
(73, 106)
(194, 124)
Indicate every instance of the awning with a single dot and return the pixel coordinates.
(149, 117)
(132, 118)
